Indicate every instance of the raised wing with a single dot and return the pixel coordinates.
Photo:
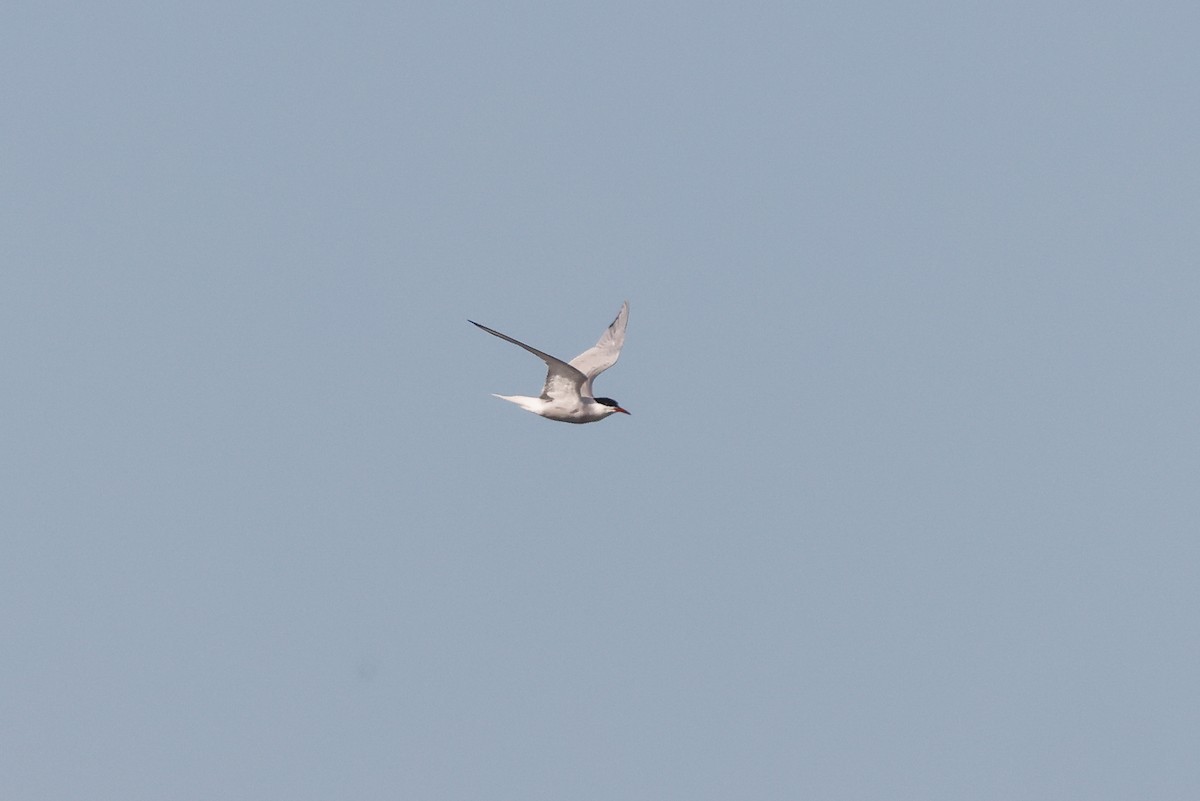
(562, 380)
(604, 354)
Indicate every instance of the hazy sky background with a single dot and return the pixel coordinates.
(908, 504)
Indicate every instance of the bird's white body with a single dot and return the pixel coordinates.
(567, 395)
(585, 410)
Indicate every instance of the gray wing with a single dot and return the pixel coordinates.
(604, 354)
(562, 380)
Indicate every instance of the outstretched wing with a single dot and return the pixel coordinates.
(562, 380)
(604, 354)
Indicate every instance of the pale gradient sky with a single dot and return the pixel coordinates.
(907, 507)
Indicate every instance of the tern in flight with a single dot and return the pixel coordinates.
(567, 395)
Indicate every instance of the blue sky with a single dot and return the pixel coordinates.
(906, 507)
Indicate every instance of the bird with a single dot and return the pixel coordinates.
(567, 395)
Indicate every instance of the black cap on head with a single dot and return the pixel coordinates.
(610, 403)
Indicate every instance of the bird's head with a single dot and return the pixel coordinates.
(613, 406)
